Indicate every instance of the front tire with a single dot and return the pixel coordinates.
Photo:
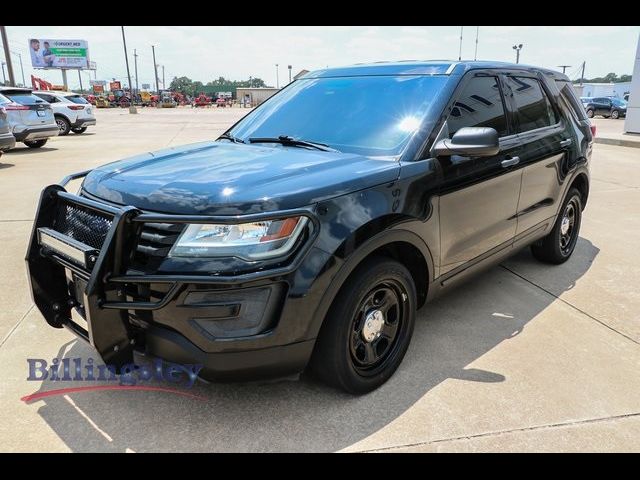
(590, 113)
(557, 247)
(64, 127)
(79, 130)
(615, 114)
(368, 328)
(36, 143)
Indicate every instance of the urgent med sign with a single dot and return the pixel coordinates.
(49, 53)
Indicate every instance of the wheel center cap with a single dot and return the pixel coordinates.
(564, 226)
(373, 323)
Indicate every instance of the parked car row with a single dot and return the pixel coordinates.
(32, 117)
(605, 106)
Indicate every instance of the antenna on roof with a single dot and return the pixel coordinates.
(475, 55)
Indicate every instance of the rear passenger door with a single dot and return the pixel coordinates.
(543, 147)
(479, 195)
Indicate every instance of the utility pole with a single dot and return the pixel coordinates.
(135, 63)
(4, 76)
(475, 55)
(164, 85)
(460, 49)
(582, 74)
(80, 78)
(132, 107)
(155, 66)
(7, 56)
(277, 79)
(517, 48)
(24, 83)
(564, 67)
(289, 67)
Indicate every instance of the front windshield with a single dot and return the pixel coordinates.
(618, 103)
(368, 115)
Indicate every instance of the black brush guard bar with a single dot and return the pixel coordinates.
(104, 300)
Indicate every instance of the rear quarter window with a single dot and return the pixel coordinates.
(77, 99)
(568, 95)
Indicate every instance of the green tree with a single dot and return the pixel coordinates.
(183, 85)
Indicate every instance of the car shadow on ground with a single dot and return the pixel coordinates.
(6, 165)
(29, 151)
(450, 334)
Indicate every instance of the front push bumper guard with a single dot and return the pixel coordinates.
(103, 272)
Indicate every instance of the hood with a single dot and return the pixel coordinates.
(224, 178)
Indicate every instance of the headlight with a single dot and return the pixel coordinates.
(249, 241)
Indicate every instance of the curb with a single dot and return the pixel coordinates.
(621, 142)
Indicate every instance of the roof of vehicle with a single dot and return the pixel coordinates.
(426, 67)
(58, 92)
(15, 89)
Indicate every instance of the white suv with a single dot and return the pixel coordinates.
(71, 111)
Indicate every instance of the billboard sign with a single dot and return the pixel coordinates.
(98, 88)
(48, 53)
(115, 86)
(98, 82)
(93, 65)
(146, 86)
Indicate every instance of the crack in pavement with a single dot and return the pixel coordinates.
(503, 432)
(601, 322)
(15, 327)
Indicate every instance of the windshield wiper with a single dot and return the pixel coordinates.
(293, 142)
(228, 136)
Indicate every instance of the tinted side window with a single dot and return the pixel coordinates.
(569, 96)
(479, 105)
(533, 106)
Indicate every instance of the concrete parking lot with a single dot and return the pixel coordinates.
(525, 357)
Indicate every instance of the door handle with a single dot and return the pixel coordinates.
(509, 162)
(566, 143)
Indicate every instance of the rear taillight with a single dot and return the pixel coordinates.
(15, 106)
(75, 107)
(593, 130)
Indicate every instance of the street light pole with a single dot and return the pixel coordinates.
(289, 67)
(135, 63)
(460, 49)
(164, 85)
(277, 78)
(4, 76)
(155, 66)
(517, 48)
(132, 107)
(7, 56)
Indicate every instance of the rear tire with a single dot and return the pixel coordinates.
(79, 130)
(64, 127)
(368, 328)
(36, 143)
(557, 247)
(590, 113)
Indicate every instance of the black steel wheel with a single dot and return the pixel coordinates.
(64, 127)
(368, 328)
(558, 246)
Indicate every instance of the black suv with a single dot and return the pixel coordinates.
(606, 106)
(311, 231)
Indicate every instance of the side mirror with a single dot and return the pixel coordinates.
(469, 142)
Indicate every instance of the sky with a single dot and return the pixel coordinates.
(236, 52)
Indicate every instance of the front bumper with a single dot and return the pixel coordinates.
(36, 133)
(232, 325)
